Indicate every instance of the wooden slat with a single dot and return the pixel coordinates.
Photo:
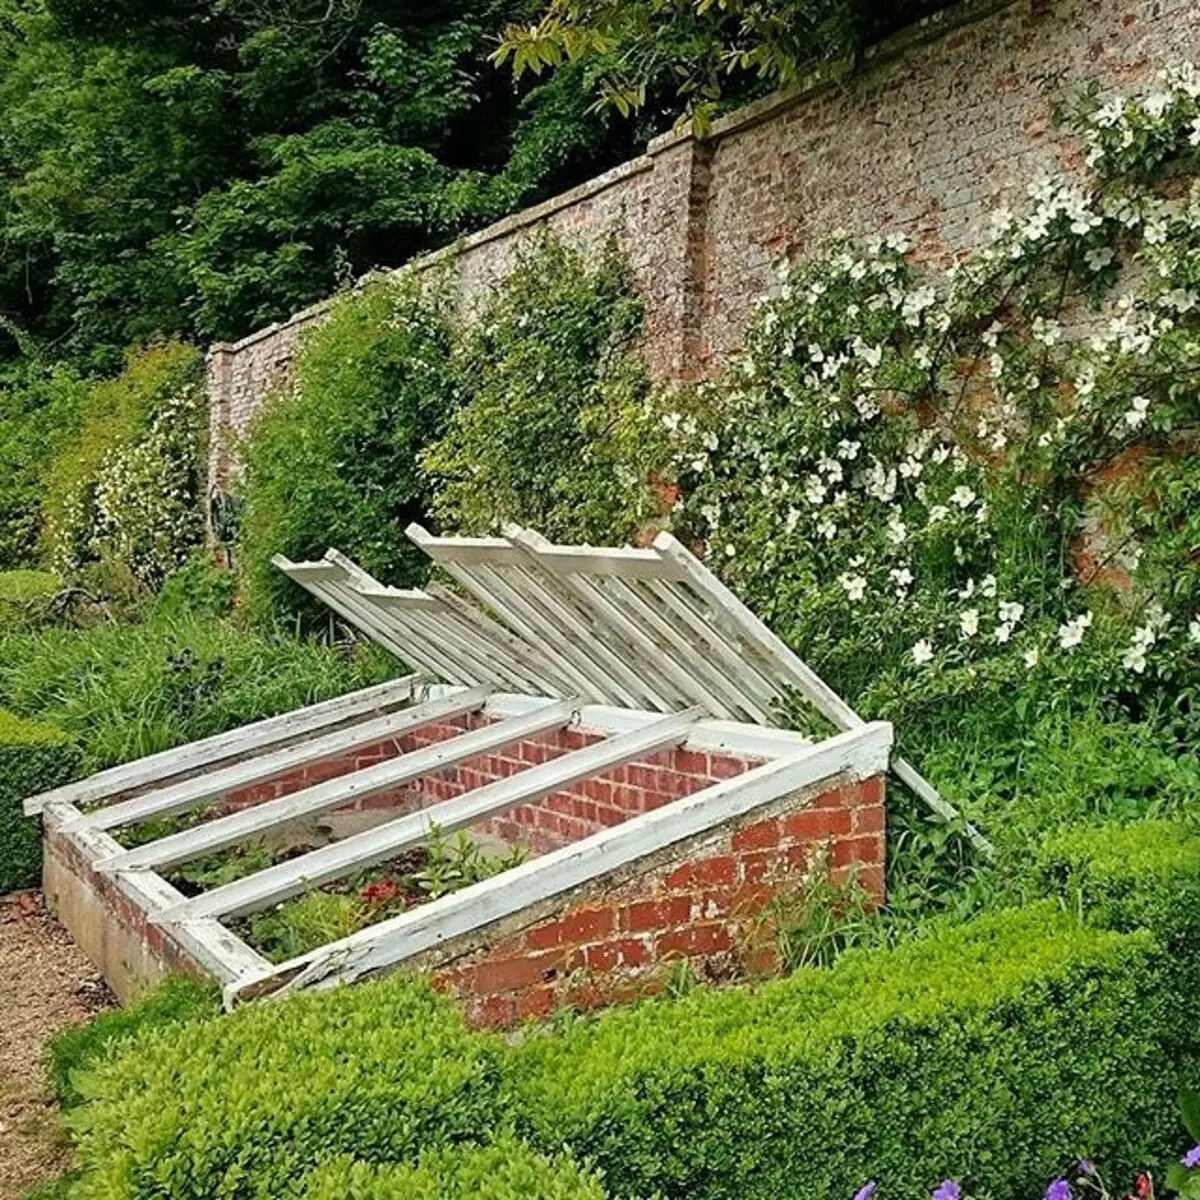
(373, 846)
(856, 754)
(191, 793)
(639, 650)
(225, 747)
(334, 793)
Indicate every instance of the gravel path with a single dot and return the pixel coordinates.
(46, 984)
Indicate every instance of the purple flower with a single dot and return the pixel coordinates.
(1192, 1158)
(866, 1191)
(1060, 1189)
(1087, 1167)
(948, 1190)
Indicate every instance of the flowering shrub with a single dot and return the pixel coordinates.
(127, 491)
(918, 478)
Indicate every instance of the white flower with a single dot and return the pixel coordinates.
(1194, 137)
(896, 530)
(1194, 630)
(1098, 258)
(1011, 612)
(922, 652)
(940, 454)
(848, 450)
(1138, 407)
(903, 578)
(968, 623)
(967, 592)
(939, 512)
(910, 468)
(1110, 114)
(1134, 659)
(987, 586)
(1047, 332)
(1071, 634)
(814, 490)
(1156, 104)
(962, 496)
(855, 586)
(730, 550)
(1031, 656)
(827, 527)
(1003, 632)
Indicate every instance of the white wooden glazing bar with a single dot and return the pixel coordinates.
(461, 664)
(310, 576)
(628, 594)
(533, 665)
(345, 789)
(471, 549)
(643, 649)
(855, 754)
(373, 846)
(212, 945)
(724, 652)
(235, 743)
(190, 793)
(599, 657)
(369, 620)
(801, 676)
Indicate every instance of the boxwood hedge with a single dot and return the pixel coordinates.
(998, 1051)
(504, 1170)
(34, 757)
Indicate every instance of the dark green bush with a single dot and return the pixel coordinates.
(332, 459)
(175, 1001)
(998, 1052)
(248, 1104)
(34, 757)
(555, 429)
(506, 1170)
(123, 691)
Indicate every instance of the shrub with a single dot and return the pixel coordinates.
(1001, 1049)
(332, 459)
(40, 410)
(34, 757)
(126, 492)
(126, 691)
(506, 1170)
(26, 597)
(248, 1104)
(556, 429)
(176, 1000)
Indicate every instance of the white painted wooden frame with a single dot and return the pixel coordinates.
(859, 753)
(628, 735)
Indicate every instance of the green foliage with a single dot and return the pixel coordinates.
(702, 49)
(555, 429)
(332, 460)
(26, 598)
(34, 757)
(248, 1104)
(126, 493)
(175, 1001)
(297, 926)
(200, 171)
(994, 1051)
(997, 1050)
(40, 411)
(503, 1170)
(127, 691)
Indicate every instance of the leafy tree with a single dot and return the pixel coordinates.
(706, 50)
(200, 167)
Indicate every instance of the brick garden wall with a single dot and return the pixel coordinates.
(941, 124)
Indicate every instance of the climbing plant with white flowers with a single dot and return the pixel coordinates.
(924, 478)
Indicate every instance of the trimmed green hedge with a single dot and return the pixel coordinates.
(998, 1051)
(177, 1000)
(34, 757)
(506, 1170)
(248, 1104)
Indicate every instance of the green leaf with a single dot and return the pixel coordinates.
(1189, 1108)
